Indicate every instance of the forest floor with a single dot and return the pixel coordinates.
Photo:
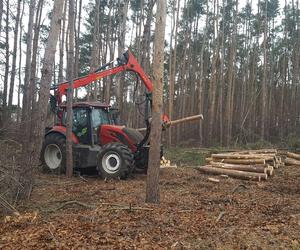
(194, 213)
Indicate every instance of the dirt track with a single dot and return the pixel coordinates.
(194, 213)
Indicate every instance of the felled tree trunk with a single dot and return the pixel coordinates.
(259, 151)
(289, 161)
(233, 173)
(293, 156)
(248, 168)
(239, 156)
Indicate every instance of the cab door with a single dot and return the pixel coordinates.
(81, 125)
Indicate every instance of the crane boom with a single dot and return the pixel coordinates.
(127, 62)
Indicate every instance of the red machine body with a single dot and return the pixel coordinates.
(108, 132)
(92, 122)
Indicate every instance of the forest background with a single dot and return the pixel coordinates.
(236, 62)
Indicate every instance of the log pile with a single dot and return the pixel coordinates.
(292, 159)
(249, 165)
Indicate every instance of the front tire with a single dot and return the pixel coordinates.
(53, 154)
(115, 160)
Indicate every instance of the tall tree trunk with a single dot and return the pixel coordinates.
(5, 88)
(213, 80)
(28, 71)
(1, 13)
(62, 44)
(109, 36)
(264, 82)
(95, 49)
(69, 151)
(20, 65)
(33, 147)
(121, 46)
(222, 78)
(173, 66)
(152, 188)
(231, 80)
(14, 60)
(95, 42)
(201, 78)
(77, 40)
(32, 82)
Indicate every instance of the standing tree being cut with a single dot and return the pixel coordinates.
(152, 189)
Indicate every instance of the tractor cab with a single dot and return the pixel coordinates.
(88, 117)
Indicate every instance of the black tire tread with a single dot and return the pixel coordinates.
(59, 140)
(127, 156)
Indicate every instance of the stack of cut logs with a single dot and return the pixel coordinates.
(292, 159)
(249, 165)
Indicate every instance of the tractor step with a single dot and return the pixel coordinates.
(85, 156)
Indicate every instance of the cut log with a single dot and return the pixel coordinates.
(208, 159)
(237, 156)
(248, 168)
(293, 156)
(259, 151)
(182, 120)
(289, 161)
(268, 156)
(232, 173)
(240, 161)
(186, 119)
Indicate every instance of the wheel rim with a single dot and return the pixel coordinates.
(53, 156)
(111, 162)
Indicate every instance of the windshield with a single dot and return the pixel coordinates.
(99, 117)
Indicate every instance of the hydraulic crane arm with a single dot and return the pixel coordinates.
(127, 62)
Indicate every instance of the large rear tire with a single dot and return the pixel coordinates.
(53, 154)
(115, 161)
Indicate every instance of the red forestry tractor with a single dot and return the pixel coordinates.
(97, 140)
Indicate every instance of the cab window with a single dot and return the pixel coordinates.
(99, 117)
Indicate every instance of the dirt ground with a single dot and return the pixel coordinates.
(89, 213)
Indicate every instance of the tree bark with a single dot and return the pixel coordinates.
(1, 13)
(264, 115)
(14, 60)
(121, 47)
(76, 73)
(92, 95)
(69, 151)
(231, 80)
(61, 45)
(111, 52)
(213, 80)
(28, 71)
(6, 62)
(32, 149)
(248, 168)
(20, 66)
(152, 188)
(233, 173)
(172, 64)
(293, 155)
(289, 161)
(238, 161)
(239, 156)
(32, 82)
